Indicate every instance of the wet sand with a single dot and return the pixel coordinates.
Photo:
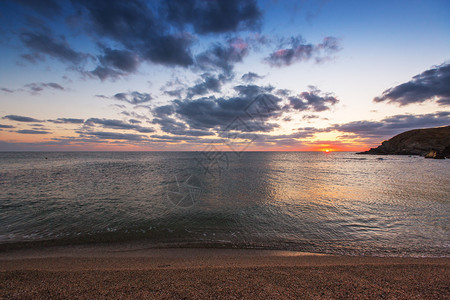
(123, 272)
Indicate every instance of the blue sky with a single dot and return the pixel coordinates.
(179, 75)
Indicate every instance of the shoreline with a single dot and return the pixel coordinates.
(121, 272)
(46, 247)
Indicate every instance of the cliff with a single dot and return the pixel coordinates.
(429, 142)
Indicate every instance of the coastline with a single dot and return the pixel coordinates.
(121, 272)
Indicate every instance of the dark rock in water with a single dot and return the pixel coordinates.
(434, 154)
(431, 154)
(429, 142)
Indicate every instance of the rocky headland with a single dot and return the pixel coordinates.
(427, 142)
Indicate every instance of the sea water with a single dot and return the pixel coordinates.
(337, 203)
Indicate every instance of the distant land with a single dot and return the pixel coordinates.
(428, 142)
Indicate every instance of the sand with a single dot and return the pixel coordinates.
(121, 272)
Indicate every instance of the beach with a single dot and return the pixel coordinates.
(105, 272)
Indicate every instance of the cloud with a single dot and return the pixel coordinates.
(298, 51)
(283, 92)
(251, 77)
(254, 106)
(116, 63)
(313, 100)
(120, 59)
(431, 85)
(114, 135)
(44, 43)
(117, 124)
(67, 121)
(252, 109)
(134, 26)
(393, 125)
(105, 72)
(169, 138)
(217, 16)
(6, 126)
(6, 90)
(163, 111)
(174, 93)
(48, 8)
(135, 31)
(133, 97)
(252, 90)
(309, 117)
(134, 115)
(37, 87)
(170, 125)
(20, 118)
(223, 57)
(209, 83)
(32, 131)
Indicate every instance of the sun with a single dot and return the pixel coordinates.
(327, 150)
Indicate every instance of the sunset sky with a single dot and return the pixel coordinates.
(191, 74)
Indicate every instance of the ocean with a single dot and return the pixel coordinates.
(334, 203)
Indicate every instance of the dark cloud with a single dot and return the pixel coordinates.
(53, 85)
(67, 121)
(117, 124)
(253, 107)
(133, 25)
(45, 43)
(6, 90)
(251, 77)
(32, 131)
(218, 16)
(283, 92)
(134, 121)
(174, 93)
(431, 85)
(143, 31)
(120, 59)
(169, 138)
(208, 84)
(20, 118)
(223, 57)
(114, 135)
(133, 97)
(47, 8)
(6, 126)
(313, 100)
(297, 51)
(37, 87)
(116, 63)
(394, 125)
(105, 72)
(309, 117)
(33, 58)
(266, 140)
(252, 90)
(163, 111)
(135, 115)
(170, 125)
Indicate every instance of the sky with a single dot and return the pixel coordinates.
(189, 75)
